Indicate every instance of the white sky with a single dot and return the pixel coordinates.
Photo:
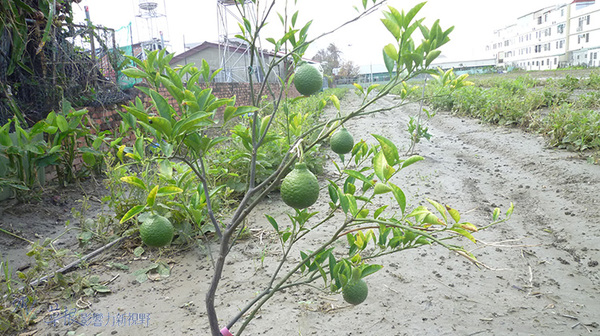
(362, 42)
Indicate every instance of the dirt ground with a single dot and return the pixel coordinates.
(543, 276)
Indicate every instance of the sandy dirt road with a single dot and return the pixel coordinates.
(543, 276)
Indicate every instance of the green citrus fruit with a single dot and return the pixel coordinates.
(355, 291)
(341, 141)
(308, 80)
(156, 231)
(300, 188)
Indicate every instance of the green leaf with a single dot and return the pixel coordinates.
(431, 56)
(162, 125)
(119, 265)
(464, 233)
(141, 278)
(369, 269)
(381, 188)
(510, 210)
(162, 105)
(132, 212)
(389, 62)
(359, 87)
(306, 263)
(379, 211)
(412, 13)
(496, 214)
(62, 123)
(333, 194)
(440, 208)
(151, 199)
(432, 219)
(168, 190)
(101, 289)
(336, 102)
(392, 27)
(356, 175)
(399, 196)
(163, 270)
(379, 165)
(191, 123)
(138, 251)
(389, 150)
(352, 205)
(344, 201)
(134, 73)
(454, 214)
(134, 181)
(391, 51)
(232, 112)
(411, 160)
(89, 158)
(273, 222)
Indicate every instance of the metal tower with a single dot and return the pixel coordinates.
(234, 53)
(152, 19)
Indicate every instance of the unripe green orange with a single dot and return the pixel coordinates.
(156, 231)
(341, 141)
(355, 291)
(308, 79)
(300, 188)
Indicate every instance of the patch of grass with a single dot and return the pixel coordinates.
(573, 123)
(576, 130)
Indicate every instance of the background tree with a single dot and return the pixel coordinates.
(348, 69)
(330, 58)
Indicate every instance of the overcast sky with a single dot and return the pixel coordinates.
(196, 21)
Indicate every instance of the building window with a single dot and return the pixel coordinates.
(582, 20)
(539, 20)
(555, 60)
(560, 28)
(562, 12)
(583, 38)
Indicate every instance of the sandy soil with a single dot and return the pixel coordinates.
(543, 276)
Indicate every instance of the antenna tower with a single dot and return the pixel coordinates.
(154, 20)
(234, 53)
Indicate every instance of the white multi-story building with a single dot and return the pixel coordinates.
(551, 37)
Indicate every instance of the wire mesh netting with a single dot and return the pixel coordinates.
(80, 63)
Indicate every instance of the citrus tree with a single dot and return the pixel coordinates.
(182, 140)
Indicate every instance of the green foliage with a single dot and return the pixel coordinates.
(204, 163)
(175, 148)
(371, 231)
(24, 152)
(59, 140)
(576, 130)
(571, 124)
